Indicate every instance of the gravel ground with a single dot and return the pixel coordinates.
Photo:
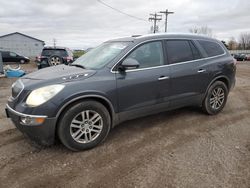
(182, 148)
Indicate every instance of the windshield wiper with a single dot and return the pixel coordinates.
(77, 65)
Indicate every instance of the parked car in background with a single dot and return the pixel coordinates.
(120, 80)
(240, 57)
(12, 57)
(248, 57)
(52, 56)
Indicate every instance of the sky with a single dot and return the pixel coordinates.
(80, 24)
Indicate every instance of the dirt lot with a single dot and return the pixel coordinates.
(183, 148)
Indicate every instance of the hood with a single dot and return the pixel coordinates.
(61, 71)
(57, 74)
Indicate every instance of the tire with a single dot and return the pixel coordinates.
(216, 98)
(55, 60)
(76, 122)
(22, 61)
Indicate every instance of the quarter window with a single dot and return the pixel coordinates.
(179, 51)
(211, 48)
(148, 55)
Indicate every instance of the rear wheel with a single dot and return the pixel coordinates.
(216, 98)
(84, 125)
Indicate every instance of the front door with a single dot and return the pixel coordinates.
(146, 88)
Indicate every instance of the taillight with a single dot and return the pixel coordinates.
(39, 58)
(69, 58)
(235, 62)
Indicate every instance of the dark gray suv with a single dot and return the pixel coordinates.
(119, 80)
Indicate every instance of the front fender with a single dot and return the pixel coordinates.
(89, 95)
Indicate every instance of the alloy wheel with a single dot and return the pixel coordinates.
(86, 126)
(217, 98)
(55, 61)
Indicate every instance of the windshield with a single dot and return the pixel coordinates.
(101, 55)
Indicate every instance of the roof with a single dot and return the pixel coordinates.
(161, 36)
(22, 35)
(174, 35)
(55, 47)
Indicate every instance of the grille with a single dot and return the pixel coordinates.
(17, 88)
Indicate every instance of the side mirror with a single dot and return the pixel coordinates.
(129, 63)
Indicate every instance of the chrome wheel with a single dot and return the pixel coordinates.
(55, 61)
(217, 98)
(86, 126)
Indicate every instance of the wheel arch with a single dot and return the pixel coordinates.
(104, 101)
(204, 103)
(221, 78)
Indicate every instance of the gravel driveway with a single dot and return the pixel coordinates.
(182, 148)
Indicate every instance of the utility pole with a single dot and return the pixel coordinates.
(54, 42)
(154, 17)
(166, 12)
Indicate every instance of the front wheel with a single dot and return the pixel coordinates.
(84, 125)
(216, 98)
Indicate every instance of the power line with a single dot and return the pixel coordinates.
(166, 12)
(117, 10)
(154, 17)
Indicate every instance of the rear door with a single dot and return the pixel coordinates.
(7, 57)
(189, 73)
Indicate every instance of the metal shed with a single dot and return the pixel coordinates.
(22, 44)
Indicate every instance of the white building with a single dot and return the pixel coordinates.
(21, 44)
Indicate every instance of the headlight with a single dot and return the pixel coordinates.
(43, 94)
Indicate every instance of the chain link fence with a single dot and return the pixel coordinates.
(239, 51)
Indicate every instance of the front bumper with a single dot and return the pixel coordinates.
(43, 133)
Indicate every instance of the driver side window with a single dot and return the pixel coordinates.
(148, 55)
(12, 54)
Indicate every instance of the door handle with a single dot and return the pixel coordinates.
(201, 70)
(163, 78)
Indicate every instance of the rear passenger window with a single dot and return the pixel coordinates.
(211, 48)
(179, 51)
(5, 54)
